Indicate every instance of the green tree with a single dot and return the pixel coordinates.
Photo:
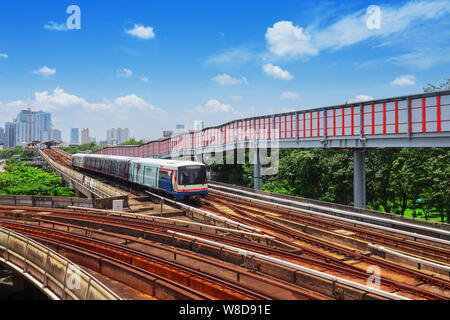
(379, 168)
(438, 181)
(440, 87)
(88, 147)
(17, 151)
(20, 179)
(132, 142)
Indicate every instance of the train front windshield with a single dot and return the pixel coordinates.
(191, 175)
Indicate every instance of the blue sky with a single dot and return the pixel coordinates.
(149, 65)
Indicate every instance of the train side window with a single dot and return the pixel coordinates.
(150, 176)
(164, 175)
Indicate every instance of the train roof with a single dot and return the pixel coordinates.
(102, 156)
(162, 162)
(167, 162)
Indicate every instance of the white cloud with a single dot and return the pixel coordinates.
(227, 80)
(422, 58)
(69, 110)
(285, 39)
(54, 26)
(144, 79)
(231, 56)
(45, 71)
(360, 98)
(404, 80)
(124, 73)
(132, 101)
(3, 55)
(59, 99)
(215, 106)
(141, 31)
(277, 72)
(289, 95)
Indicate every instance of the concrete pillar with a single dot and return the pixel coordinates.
(359, 179)
(257, 178)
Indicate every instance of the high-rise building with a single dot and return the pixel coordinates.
(198, 125)
(56, 135)
(74, 136)
(116, 136)
(32, 126)
(123, 135)
(111, 137)
(167, 133)
(2, 136)
(179, 129)
(10, 134)
(84, 135)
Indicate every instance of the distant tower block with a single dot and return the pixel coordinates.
(198, 125)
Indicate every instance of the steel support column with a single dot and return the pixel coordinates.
(257, 179)
(359, 178)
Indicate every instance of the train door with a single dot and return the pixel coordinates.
(150, 176)
(165, 180)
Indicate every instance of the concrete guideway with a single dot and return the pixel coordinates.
(54, 275)
(246, 253)
(439, 232)
(222, 225)
(142, 231)
(90, 187)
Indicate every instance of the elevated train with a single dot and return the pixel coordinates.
(181, 179)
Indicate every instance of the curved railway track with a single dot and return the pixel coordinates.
(435, 251)
(311, 250)
(307, 256)
(289, 235)
(197, 283)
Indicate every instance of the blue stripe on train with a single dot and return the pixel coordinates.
(167, 187)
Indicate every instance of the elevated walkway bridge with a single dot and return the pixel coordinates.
(421, 120)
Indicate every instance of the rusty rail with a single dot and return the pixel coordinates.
(146, 230)
(183, 276)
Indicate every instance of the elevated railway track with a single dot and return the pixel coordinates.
(422, 246)
(306, 257)
(248, 246)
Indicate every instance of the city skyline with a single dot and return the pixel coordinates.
(293, 56)
(114, 136)
(29, 126)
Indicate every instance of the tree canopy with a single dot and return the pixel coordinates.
(91, 146)
(20, 179)
(132, 142)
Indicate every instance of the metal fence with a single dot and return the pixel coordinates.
(408, 121)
